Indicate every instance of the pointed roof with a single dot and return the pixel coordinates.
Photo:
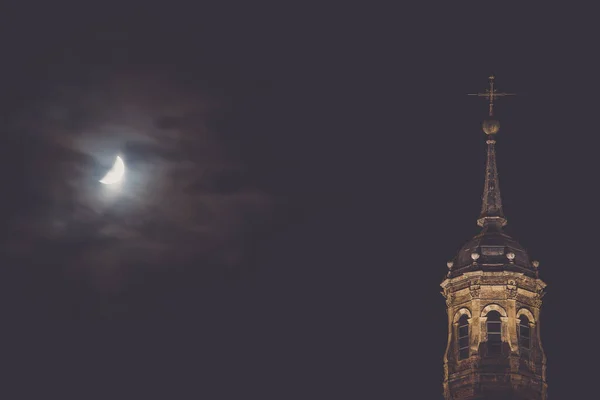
(491, 201)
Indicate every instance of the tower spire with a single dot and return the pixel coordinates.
(491, 201)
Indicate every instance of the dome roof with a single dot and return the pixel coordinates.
(493, 248)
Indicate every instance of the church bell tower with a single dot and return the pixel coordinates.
(493, 295)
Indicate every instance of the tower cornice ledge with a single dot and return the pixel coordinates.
(482, 275)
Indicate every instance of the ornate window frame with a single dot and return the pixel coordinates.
(503, 319)
(459, 313)
(531, 319)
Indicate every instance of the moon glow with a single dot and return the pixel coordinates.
(115, 174)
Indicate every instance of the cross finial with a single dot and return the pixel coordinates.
(491, 94)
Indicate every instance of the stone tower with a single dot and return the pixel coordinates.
(493, 296)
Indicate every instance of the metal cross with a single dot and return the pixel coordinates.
(491, 94)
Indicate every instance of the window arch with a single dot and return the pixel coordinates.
(494, 333)
(524, 330)
(463, 337)
(493, 307)
(461, 312)
(527, 313)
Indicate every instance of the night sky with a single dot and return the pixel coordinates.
(296, 180)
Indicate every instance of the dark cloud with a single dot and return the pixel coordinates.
(185, 198)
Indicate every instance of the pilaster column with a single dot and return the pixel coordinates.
(475, 327)
(512, 337)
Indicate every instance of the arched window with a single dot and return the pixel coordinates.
(463, 337)
(494, 332)
(524, 334)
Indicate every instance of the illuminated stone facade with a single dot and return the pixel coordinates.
(493, 296)
(513, 372)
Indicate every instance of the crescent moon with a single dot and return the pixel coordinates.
(115, 174)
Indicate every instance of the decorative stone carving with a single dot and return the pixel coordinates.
(539, 291)
(539, 294)
(475, 289)
(450, 297)
(511, 289)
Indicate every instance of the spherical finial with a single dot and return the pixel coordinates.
(491, 126)
(450, 264)
(474, 256)
(536, 264)
(510, 256)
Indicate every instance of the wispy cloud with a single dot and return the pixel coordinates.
(183, 195)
